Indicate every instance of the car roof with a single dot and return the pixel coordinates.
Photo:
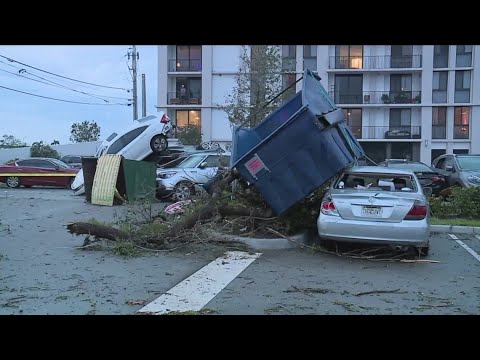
(378, 170)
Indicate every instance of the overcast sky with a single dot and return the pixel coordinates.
(32, 118)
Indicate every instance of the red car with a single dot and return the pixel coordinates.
(37, 171)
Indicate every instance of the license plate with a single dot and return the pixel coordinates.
(372, 211)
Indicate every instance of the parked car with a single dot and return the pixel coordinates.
(425, 174)
(74, 161)
(37, 171)
(143, 137)
(378, 205)
(188, 177)
(459, 170)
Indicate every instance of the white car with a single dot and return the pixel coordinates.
(143, 137)
(185, 179)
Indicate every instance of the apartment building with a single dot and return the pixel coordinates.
(401, 101)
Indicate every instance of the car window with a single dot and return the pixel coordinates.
(440, 163)
(217, 161)
(191, 161)
(23, 163)
(45, 164)
(376, 182)
(125, 140)
(111, 136)
(469, 162)
(416, 167)
(58, 163)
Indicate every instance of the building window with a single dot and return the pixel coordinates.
(349, 57)
(461, 122)
(401, 88)
(310, 57)
(464, 55)
(439, 123)
(187, 91)
(354, 121)
(440, 56)
(439, 88)
(188, 58)
(186, 118)
(402, 56)
(348, 89)
(460, 151)
(400, 120)
(462, 86)
(289, 58)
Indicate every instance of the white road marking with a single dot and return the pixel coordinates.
(199, 289)
(477, 236)
(466, 247)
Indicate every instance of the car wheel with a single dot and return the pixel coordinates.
(210, 145)
(13, 182)
(184, 190)
(158, 144)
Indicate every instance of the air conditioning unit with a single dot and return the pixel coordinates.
(366, 99)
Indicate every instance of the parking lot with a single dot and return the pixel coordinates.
(41, 272)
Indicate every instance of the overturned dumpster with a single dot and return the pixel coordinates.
(297, 148)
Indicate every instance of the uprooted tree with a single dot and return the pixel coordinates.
(230, 201)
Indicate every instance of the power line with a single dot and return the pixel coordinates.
(57, 85)
(69, 101)
(65, 77)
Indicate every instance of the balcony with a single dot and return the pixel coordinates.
(386, 132)
(175, 98)
(185, 65)
(377, 97)
(461, 132)
(375, 62)
(439, 132)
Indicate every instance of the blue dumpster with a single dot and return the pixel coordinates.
(297, 148)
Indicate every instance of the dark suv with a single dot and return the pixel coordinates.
(459, 170)
(428, 177)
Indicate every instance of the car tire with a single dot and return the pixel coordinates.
(184, 190)
(13, 182)
(159, 143)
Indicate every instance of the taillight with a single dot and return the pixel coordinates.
(164, 119)
(328, 208)
(437, 178)
(417, 212)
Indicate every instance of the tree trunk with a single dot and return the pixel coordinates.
(243, 211)
(98, 231)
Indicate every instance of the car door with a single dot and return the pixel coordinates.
(31, 172)
(212, 164)
(48, 171)
(135, 145)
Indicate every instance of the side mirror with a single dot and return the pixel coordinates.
(449, 168)
(203, 165)
(427, 191)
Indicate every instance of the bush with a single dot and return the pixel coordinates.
(465, 204)
(40, 149)
(190, 135)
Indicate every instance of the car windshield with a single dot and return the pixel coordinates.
(376, 182)
(415, 167)
(191, 161)
(469, 162)
(61, 164)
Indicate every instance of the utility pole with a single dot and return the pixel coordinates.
(135, 57)
(144, 97)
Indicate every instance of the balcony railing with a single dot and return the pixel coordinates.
(176, 98)
(191, 65)
(461, 131)
(386, 132)
(377, 97)
(376, 62)
(439, 131)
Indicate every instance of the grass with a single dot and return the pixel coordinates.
(455, 222)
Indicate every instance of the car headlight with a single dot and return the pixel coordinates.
(165, 175)
(473, 179)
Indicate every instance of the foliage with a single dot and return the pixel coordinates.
(465, 204)
(84, 132)
(190, 135)
(10, 141)
(40, 149)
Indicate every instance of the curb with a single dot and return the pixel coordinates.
(455, 229)
(295, 241)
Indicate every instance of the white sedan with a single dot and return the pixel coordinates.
(143, 137)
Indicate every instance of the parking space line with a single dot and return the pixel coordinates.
(199, 289)
(477, 236)
(466, 247)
